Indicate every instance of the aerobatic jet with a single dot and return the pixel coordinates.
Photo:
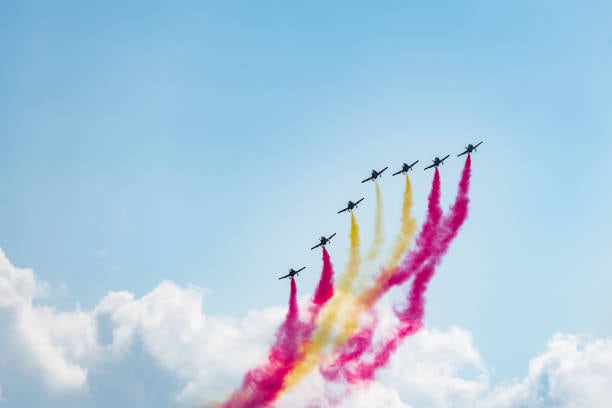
(437, 162)
(375, 174)
(292, 273)
(469, 149)
(324, 241)
(405, 168)
(350, 206)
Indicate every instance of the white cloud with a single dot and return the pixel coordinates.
(573, 372)
(208, 355)
(50, 343)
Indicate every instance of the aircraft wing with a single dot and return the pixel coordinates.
(301, 269)
(286, 276)
(316, 246)
(368, 179)
(429, 167)
(445, 157)
(413, 163)
(396, 173)
(381, 172)
(478, 144)
(461, 154)
(359, 201)
(341, 211)
(331, 236)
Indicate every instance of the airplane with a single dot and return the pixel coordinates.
(324, 241)
(437, 162)
(469, 149)
(292, 273)
(350, 205)
(375, 175)
(405, 168)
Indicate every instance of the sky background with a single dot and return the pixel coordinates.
(211, 144)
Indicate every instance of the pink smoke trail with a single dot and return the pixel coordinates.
(261, 385)
(324, 292)
(412, 315)
(325, 287)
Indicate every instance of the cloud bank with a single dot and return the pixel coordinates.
(65, 357)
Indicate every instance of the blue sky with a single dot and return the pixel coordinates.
(211, 144)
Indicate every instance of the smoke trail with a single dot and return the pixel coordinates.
(408, 227)
(325, 288)
(261, 385)
(322, 335)
(410, 319)
(348, 352)
(378, 227)
(351, 341)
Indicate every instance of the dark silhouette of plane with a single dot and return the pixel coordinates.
(437, 162)
(469, 149)
(350, 206)
(375, 175)
(323, 241)
(405, 168)
(292, 273)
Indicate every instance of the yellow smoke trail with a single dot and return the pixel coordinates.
(369, 296)
(323, 334)
(408, 228)
(354, 309)
(378, 227)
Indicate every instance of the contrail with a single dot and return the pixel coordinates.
(347, 363)
(262, 384)
(322, 335)
(378, 227)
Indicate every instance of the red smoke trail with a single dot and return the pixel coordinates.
(425, 239)
(411, 317)
(325, 288)
(324, 292)
(261, 385)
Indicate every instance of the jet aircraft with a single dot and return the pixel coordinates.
(405, 168)
(292, 273)
(375, 174)
(469, 149)
(350, 206)
(437, 162)
(323, 241)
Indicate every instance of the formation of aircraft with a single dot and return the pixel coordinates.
(375, 174)
(292, 273)
(405, 168)
(323, 241)
(437, 161)
(350, 206)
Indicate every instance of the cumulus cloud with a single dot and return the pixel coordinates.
(48, 342)
(574, 371)
(207, 355)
